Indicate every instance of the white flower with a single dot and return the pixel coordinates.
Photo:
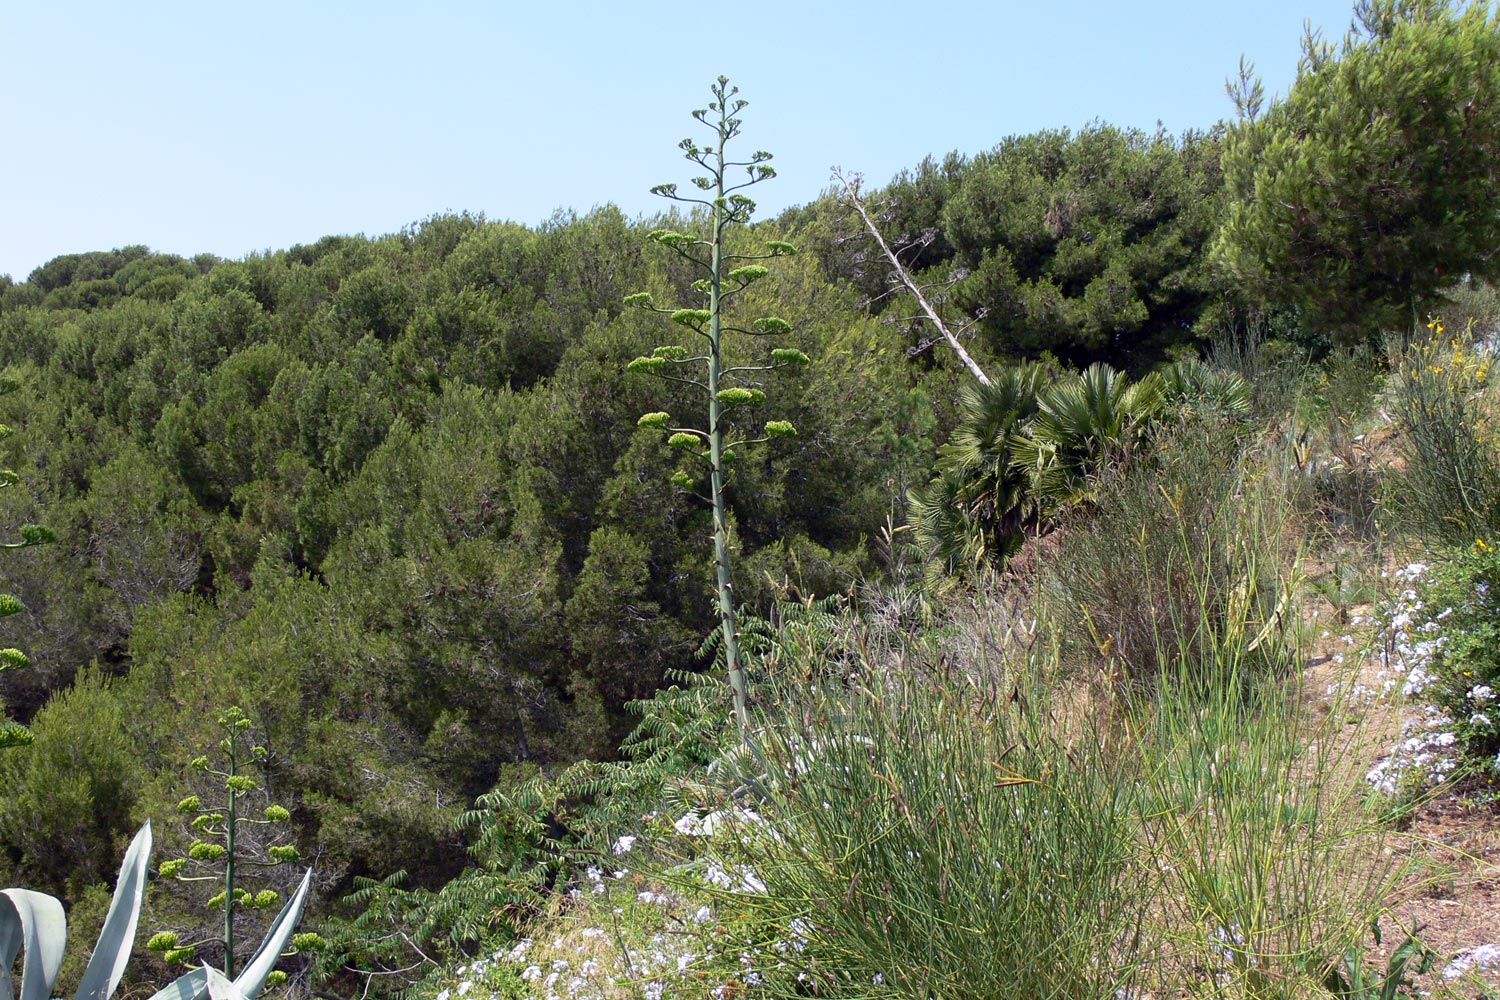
(624, 844)
(531, 973)
(1481, 695)
(1486, 956)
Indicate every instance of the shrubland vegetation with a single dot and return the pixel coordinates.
(875, 679)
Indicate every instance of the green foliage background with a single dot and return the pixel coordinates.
(388, 494)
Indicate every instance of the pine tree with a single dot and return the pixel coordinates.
(1373, 186)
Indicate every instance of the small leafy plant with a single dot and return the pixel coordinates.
(1350, 980)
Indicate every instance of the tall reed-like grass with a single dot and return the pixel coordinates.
(1270, 857)
(1186, 560)
(938, 834)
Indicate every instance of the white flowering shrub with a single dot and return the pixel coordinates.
(1453, 633)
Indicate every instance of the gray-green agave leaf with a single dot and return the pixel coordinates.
(112, 953)
(34, 923)
(252, 979)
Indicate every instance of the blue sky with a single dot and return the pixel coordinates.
(232, 128)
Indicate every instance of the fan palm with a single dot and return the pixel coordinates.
(1082, 422)
(974, 507)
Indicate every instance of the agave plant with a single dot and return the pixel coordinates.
(34, 924)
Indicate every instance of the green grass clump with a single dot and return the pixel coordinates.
(1271, 857)
(1183, 564)
(935, 835)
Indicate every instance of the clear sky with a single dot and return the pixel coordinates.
(236, 127)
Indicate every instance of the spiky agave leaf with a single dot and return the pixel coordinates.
(112, 953)
(252, 979)
(34, 923)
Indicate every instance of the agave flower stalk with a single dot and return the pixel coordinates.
(725, 275)
(219, 851)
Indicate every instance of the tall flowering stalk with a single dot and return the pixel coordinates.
(724, 275)
(224, 847)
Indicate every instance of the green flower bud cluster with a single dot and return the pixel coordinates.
(667, 237)
(172, 868)
(202, 850)
(13, 659)
(683, 440)
(646, 366)
(740, 396)
(240, 784)
(10, 605)
(691, 317)
(309, 941)
(13, 734)
(672, 352)
(655, 421)
(749, 273)
(162, 941)
(36, 534)
(277, 814)
(789, 356)
(203, 822)
(275, 978)
(771, 326)
(189, 804)
(284, 852)
(780, 429)
(640, 300)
